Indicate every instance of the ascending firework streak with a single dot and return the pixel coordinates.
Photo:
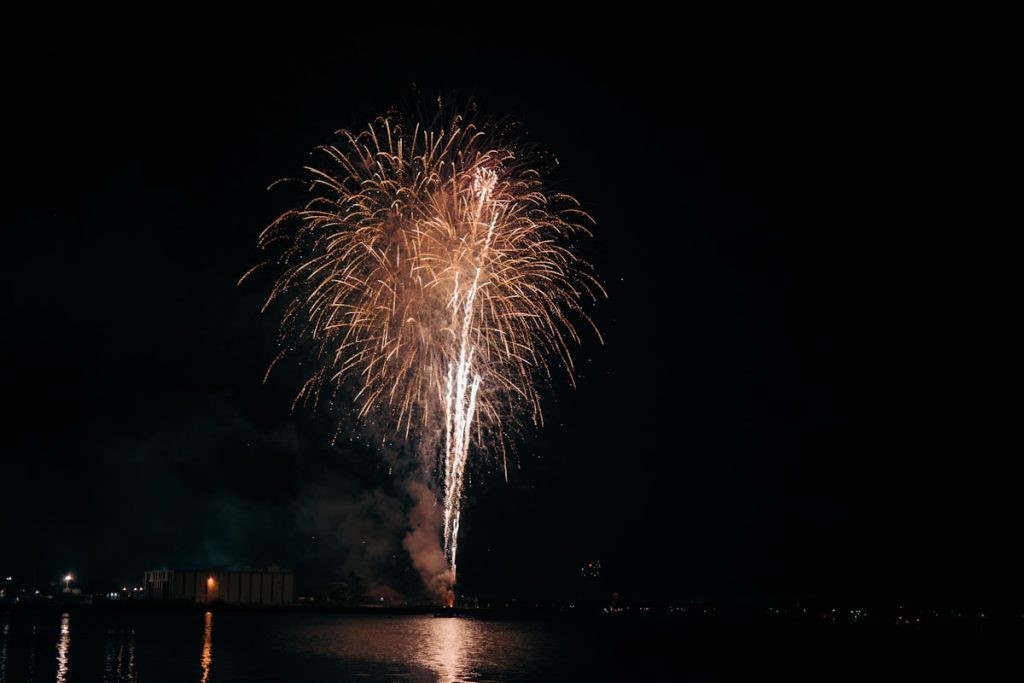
(434, 274)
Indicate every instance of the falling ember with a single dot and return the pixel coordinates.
(433, 272)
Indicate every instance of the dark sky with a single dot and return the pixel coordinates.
(810, 231)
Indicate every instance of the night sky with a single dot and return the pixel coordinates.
(809, 229)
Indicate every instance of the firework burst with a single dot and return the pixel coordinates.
(433, 271)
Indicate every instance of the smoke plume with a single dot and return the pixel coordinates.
(422, 541)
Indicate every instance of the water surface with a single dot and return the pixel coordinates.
(261, 647)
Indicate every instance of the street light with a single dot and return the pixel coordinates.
(67, 583)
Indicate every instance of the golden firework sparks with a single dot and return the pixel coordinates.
(433, 270)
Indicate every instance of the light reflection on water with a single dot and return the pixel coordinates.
(450, 657)
(63, 645)
(3, 653)
(207, 657)
(32, 656)
(120, 656)
(452, 649)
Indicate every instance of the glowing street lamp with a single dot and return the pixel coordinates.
(67, 583)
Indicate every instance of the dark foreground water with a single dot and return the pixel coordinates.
(222, 647)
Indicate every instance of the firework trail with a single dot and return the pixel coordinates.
(433, 272)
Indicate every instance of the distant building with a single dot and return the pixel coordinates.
(234, 587)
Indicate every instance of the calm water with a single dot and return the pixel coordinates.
(224, 647)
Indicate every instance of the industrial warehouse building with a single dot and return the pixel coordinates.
(235, 587)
